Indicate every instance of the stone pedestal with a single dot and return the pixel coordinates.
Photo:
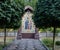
(36, 33)
(36, 36)
(28, 35)
(19, 35)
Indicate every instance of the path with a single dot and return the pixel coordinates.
(26, 44)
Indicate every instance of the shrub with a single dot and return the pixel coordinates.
(48, 42)
(1, 47)
(57, 42)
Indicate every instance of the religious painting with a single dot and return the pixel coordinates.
(26, 24)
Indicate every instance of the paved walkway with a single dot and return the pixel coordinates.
(26, 44)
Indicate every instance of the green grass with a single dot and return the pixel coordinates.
(8, 41)
(47, 41)
(1, 46)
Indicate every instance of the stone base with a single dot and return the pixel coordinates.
(28, 35)
(37, 36)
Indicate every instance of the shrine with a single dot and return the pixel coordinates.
(28, 29)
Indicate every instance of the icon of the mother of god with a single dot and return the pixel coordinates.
(27, 24)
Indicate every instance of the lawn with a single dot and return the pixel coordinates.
(8, 40)
(56, 39)
(1, 47)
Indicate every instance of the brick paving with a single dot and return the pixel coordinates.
(26, 44)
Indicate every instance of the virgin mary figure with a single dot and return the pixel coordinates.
(26, 24)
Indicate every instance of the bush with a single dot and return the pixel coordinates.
(57, 42)
(1, 47)
(48, 42)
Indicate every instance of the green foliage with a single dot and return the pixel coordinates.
(57, 42)
(58, 30)
(10, 14)
(28, 2)
(46, 29)
(16, 16)
(47, 13)
(1, 46)
(2, 0)
(48, 42)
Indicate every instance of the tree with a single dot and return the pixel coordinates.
(10, 15)
(4, 17)
(28, 2)
(47, 14)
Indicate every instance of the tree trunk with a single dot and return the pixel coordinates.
(14, 33)
(54, 31)
(46, 34)
(4, 36)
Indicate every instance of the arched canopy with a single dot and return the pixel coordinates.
(28, 8)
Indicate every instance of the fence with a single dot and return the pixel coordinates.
(8, 34)
(47, 34)
(40, 34)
